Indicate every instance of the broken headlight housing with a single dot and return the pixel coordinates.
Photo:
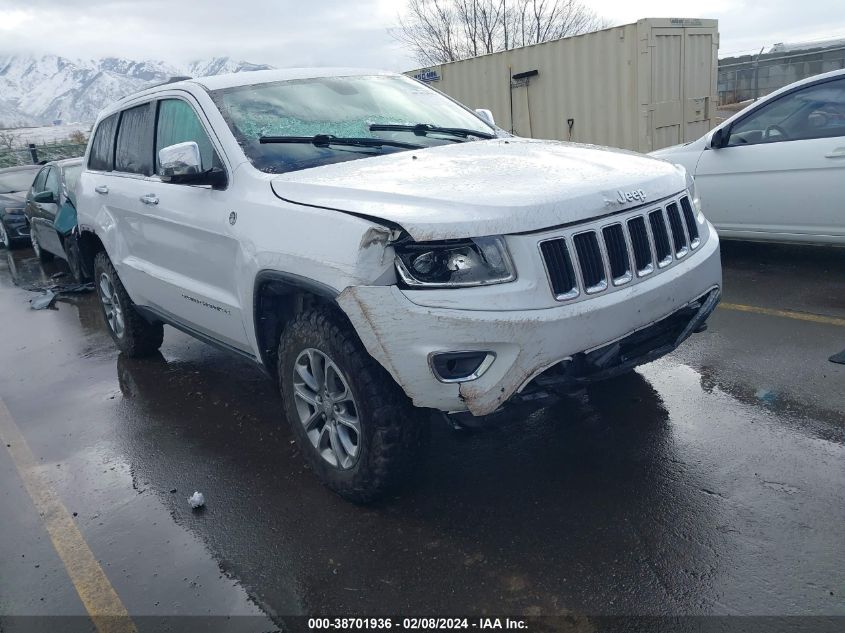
(454, 263)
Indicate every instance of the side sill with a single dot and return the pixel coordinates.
(152, 315)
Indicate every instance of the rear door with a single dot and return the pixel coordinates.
(121, 191)
(183, 244)
(782, 173)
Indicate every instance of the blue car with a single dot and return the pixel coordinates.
(15, 182)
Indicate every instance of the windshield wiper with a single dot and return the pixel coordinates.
(324, 140)
(421, 129)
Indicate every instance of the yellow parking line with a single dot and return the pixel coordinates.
(88, 578)
(787, 314)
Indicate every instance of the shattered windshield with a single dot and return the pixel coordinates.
(344, 107)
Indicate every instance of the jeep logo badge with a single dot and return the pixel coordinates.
(629, 196)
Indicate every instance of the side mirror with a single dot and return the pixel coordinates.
(44, 197)
(718, 139)
(182, 159)
(485, 114)
(181, 164)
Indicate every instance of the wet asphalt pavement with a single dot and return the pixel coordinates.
(709, 482)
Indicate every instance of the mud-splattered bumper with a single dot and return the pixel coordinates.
(402, 335)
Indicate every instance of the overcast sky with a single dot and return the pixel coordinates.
(338, 32)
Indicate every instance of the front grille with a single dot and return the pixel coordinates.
(590, 261)
(615, 254)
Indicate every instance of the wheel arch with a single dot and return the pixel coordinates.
(277, 297)
(89, 245)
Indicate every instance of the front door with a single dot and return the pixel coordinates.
(782, 172)
(44, 214)
(183, 245)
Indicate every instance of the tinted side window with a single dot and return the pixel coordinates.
(40, 179)
(178, 123)
(134, 152)
(52, 183)
(102, 147)
(817, 111)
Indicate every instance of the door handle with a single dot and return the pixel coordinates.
(150, 198)
(839, 152)
(101, 189)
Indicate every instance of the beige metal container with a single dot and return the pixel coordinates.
(640, 86)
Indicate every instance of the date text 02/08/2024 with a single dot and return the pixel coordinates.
(416, 624)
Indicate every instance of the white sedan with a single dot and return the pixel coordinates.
(776, 170)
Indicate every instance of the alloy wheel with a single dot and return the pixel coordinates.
(111, 305)
(327, 408)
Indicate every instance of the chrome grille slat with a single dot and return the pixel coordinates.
(618, 259)
(692, 225)
(676, 226)
(643, 251)
(560, 269)
(660, 235)
(591, 259)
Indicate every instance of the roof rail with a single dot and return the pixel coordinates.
(170, 80)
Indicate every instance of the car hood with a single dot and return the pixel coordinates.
(668, 153)
(16, 199)
(481, 188)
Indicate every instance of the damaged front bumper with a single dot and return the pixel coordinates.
(584, 341)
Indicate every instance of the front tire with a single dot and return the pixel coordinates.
(132, 334)
(356, 429)
(5, 240)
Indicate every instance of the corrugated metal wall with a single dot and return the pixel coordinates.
(639, 86)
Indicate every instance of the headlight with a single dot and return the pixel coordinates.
(13, 210)
(456, 263)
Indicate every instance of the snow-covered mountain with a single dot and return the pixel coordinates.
(39, 90)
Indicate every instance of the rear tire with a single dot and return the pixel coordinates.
(133, 335)
(357, 393)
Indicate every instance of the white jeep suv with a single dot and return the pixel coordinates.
(381, 250)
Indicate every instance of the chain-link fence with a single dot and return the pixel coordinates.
(34, 154)
(753, 76)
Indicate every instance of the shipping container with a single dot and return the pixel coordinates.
(641, 86)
